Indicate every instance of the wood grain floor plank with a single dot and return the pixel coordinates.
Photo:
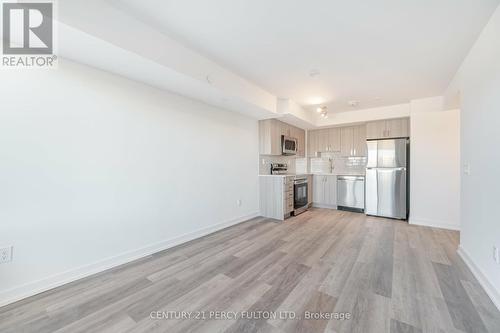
(387, 275)
(463, 313)
(399, 327)
(281, 287)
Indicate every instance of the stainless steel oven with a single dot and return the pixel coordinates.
(288, 145)
(300, 198)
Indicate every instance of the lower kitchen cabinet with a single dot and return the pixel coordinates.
(276, 196)
(325, 191)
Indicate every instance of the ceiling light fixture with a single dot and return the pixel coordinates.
(322, 110)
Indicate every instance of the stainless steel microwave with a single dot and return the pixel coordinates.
(288, 145)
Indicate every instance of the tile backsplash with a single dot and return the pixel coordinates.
(334, 163)
(327, 163)
(266, 160)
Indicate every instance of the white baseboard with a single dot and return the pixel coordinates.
(434, 223)
(481, 277)
(59, 279)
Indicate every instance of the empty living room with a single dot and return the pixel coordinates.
(249, 166)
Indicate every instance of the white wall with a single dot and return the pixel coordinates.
(478, 84)
(96, 170)
(435, 168)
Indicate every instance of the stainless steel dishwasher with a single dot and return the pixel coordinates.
(351, 193)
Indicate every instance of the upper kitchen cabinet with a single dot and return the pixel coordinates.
(270, 132)
(286, 129)
(300, 135)
(353, 141)
(398, 128)
(359, 138)
(270, 137)
(323, 140)
(334, 139)
(323, 144)
(384, 129)
(312, 143)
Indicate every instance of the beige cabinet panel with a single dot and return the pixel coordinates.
(323, 140)
(397, 128)
(270, 137)
(302, 143)
(353, 141)
(300, 135)
(385, 129)
(270, 132)
(346, 141)
(284, 129)
(334, 140)
(319, 189)
(359, 140)
(312, 143)
(331, 190)
(376, 129)
(325, 190)
(276, 197)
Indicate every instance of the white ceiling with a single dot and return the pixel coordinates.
(381, 52)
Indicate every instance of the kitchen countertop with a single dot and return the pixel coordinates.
(318, 174)
(340, 174)
(287, 175)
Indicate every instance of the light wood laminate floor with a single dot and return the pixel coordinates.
(387, 275)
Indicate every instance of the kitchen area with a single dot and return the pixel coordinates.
(363, 168)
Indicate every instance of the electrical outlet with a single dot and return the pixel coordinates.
(467, 169)
(496, 255)
(5, 254)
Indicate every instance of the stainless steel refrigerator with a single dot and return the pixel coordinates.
(386, 178)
